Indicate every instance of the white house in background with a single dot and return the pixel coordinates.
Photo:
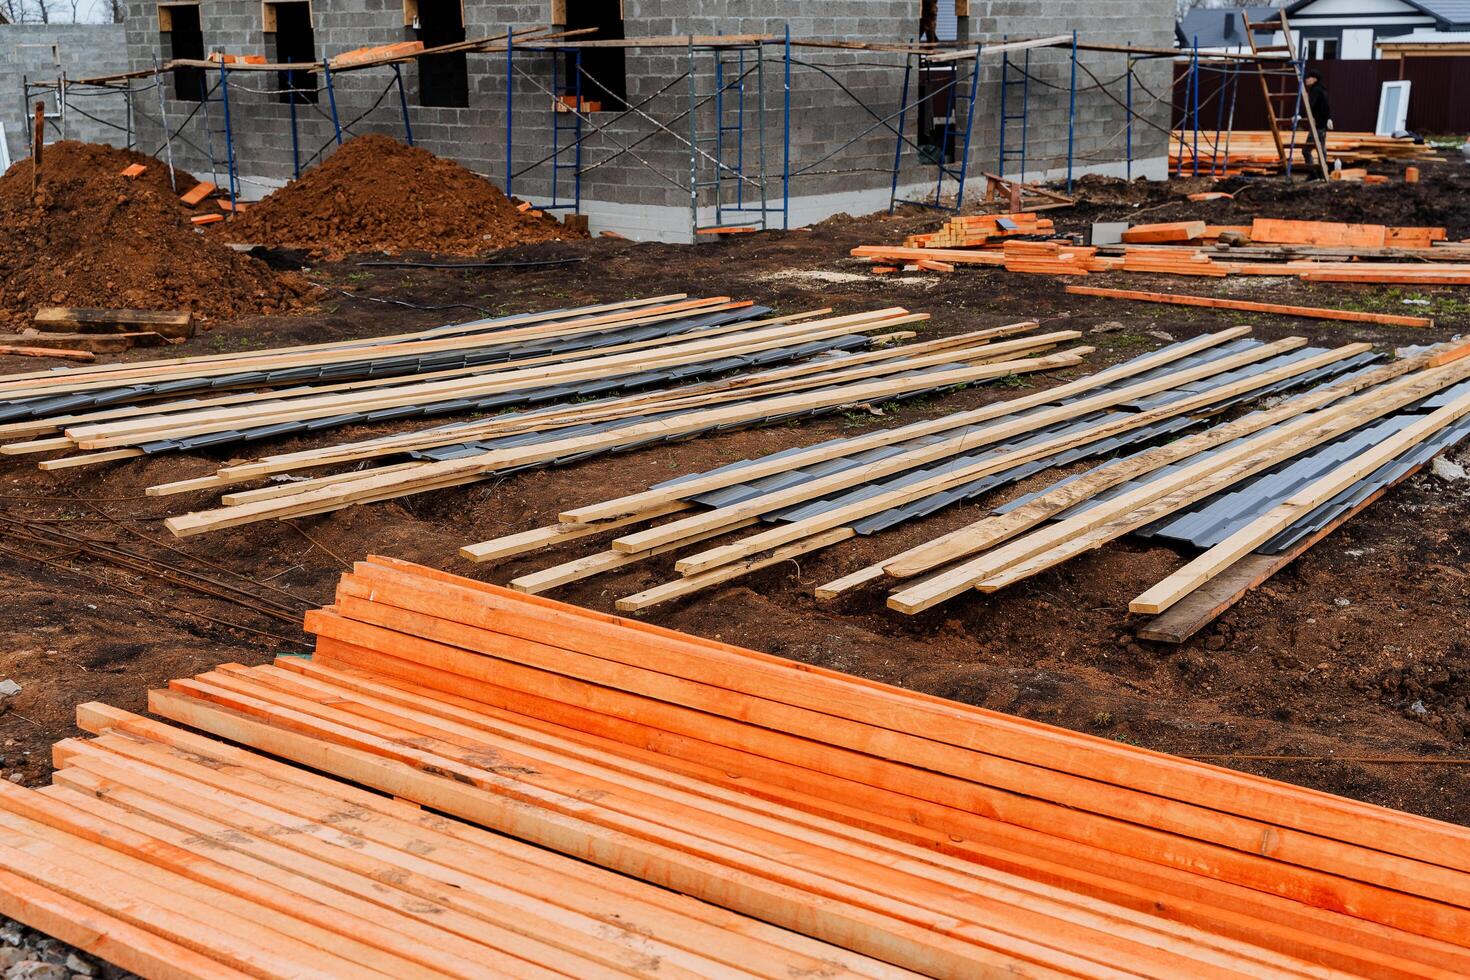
(1331, 29)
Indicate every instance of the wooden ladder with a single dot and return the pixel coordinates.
(1273, 96)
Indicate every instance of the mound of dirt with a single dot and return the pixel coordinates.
(375, 194)
(91, 237)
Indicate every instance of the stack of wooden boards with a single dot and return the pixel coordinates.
(1314, 251)
(664, 805)
(1254, 151)
(817, 497)
(177, 856)
(98, 331)
(970, 230)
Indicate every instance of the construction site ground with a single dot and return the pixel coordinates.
(1361, 648)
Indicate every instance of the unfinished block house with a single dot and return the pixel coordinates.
(591, 113)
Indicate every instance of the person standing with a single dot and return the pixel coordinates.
(1319, 108)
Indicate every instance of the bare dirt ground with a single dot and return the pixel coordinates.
(1360, 648)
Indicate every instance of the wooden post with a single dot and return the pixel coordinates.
(38, 143)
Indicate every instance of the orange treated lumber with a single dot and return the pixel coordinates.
(1318, 935)
(673, 859)
(1408, 276)
(122, 943)
(933, 265)
(704, 928)
(648, 793)
(382, 52)
(1411, 175)
(1250, 306)
(66, 355)
(954, 255)
(198, 193)
(133, 170)
(1328, 233)
(227, 205)
(939, 722)
(1173, 231)
(938, 719)
(1212, 196)
(206, 219)
(922, 782)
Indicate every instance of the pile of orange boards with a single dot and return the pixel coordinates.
(1254, 151)
(658, 804)
(971, 230)
(1283, 247)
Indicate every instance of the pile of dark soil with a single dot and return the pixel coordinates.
(376, 194)
(91, 237)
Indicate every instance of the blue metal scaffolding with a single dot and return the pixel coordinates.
(942, 82)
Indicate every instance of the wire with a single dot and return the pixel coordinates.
(405, 264)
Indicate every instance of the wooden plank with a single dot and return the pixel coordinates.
(542, 537)
(509, 329)
(1312, 312)
(114, 343)
(775, 683)
(355, 923)
(513, 378)
(460, 846)
(66, 355)
(196, 195)
(898, 869)
(243, 946)
(1191, 483)
(481, 464)
(909, 815)
(1173, 231)
(546, 824)
(515, 945)
(692, 583)
(1255, 916)
(86, 320)
(1318, 233)
(1013, 809)
(853, 512)
(603, 562)
(114, 940)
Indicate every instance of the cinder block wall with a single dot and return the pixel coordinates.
(636, 176)
(44, 52)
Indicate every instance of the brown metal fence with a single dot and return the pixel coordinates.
(1439, 101)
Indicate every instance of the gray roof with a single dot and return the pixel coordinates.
(1218, 27)
(1449, 13)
